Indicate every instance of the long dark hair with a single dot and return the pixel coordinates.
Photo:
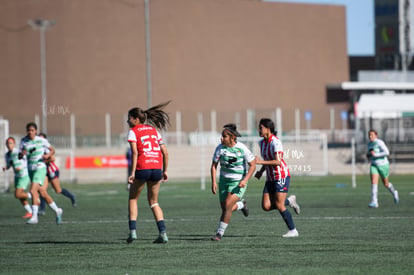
(232, 129)
(154, 116)
(268, 123)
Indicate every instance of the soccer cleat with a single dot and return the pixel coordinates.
(132, 237)
(291, 233)
(59, 216)
(27, 215)
(162, 238)
(373, 205)
(294, 204)
(216, 238)
(32, 220)
(396, 197)
(245, 210)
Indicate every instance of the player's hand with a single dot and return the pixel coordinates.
(22, 153)
(4, 168)
(259, 160)
(131, 179)
(164, 176)
(214, 188)
(242, 183)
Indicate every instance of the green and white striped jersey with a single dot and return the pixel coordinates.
(381, 152)
(233, 160)
(35, 150)
(19, 165)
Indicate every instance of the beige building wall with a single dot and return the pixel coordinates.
(228, 56)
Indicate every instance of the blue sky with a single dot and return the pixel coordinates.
(360, 23)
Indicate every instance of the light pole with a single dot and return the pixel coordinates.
(148, 52)
(42, 26)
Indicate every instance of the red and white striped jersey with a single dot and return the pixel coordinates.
(271, 150)
(52, 169)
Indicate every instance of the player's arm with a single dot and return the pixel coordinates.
(213, 173)
(252, 168)
(8, 162)
(49, 155)
(134, 150)
(22, 150)
(383, 150)
(164, 153)
(273, 162)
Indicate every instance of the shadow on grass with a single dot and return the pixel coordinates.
(194, 237)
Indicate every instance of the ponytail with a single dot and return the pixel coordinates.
(154, 116)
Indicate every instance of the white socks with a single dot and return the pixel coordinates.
(240, 205)
(54, 206)
(221, 228)
(28, 208)
(35, 210)
(374, 193)
(391, 188)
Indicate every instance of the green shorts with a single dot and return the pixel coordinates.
(227, 186)
(383, 170)
(38, 175)
(22, 182)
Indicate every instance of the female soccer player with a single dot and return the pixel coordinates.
(233, 157)
(21, 176)
(52, 176)
(149, 164)
(380, 167)
(34, 148)
(277, 176)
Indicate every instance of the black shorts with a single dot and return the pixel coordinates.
(277, 186)
(148, 175)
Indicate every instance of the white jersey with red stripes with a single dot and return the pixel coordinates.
(271, 149)
(52, 169)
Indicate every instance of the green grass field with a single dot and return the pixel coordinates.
(339, 234)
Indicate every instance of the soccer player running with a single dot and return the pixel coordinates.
(21, 176)
(52, 176)
(149, 164)
(277, 176)
(233, 157)
(34, 147)
(380, 167)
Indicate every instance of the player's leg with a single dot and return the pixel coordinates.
(153, 191)
(240, 203)
(374, 176)
(34, 191)
(287, 217)
(384, 174)
(59, 190)
(21, 195)
(269, 196)
(227, 206)
(43, 183)
(42, 205)
(134, 193)
(282, 188)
